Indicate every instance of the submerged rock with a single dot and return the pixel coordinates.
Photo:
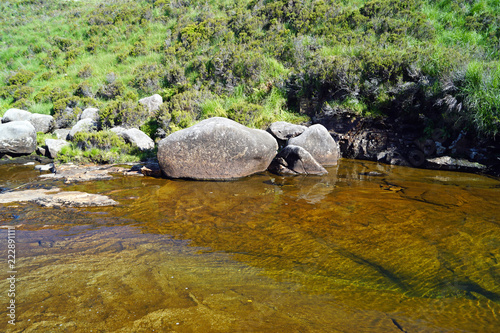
(77, 173)
(319, 143)
(295, 160)
(17, 137)
(450, 163)
(216, 148)
(55, 198)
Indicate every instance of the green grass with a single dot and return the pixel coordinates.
(270, 58)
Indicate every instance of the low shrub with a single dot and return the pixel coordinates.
(148, 78)
(124, 113)
(104, 140)
(20, 78)
(111, 90)
(85, 72)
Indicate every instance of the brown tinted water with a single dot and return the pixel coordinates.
(406, 250)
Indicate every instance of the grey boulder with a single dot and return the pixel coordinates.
(84, 125)
(54, 146)
(42, 122)
(16, 115)
(138, 139)
(62, 133)
(90, 113)
(319, 143)
(152, 103)
(17, 137)
(217, 149)
(118, 130)
(283, 131)
(295, 160)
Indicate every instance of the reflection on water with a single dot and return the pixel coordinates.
(366, 248)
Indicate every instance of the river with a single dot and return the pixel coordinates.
(367, 248)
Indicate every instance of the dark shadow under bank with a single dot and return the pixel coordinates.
(410, 142)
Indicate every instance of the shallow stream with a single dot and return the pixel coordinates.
(366, 248)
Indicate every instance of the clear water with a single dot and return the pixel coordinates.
(406, 250)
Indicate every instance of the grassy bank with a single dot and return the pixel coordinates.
(255, 61)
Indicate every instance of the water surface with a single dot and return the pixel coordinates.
(366, 248)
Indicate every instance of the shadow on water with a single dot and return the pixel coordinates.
(367, 247)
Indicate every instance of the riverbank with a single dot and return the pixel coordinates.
(382, 139)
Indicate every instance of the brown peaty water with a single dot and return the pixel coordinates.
(366, 248)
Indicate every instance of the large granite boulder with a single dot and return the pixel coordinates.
(152, 103)
(17, 137)
(138, 139)
(84, 125)
(319, 143)
(42, 122)
(216, 148)
(295, 160)
(54, 146)
(16, 115)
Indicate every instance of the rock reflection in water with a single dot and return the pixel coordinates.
(366, 248)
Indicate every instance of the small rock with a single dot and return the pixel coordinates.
(54, 146)
(62, 133)
(152, 103)
(42, 122)
(45, 167)
(16, 115)
(54, 198)
(450, 163)
(90, 113)
(138, 138)
(319, 143)
(284, 131)
(41, 151)
(84, 125)
(17, 137)
(151, 170)
(295, 160)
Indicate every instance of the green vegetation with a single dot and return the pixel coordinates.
(255, 61)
